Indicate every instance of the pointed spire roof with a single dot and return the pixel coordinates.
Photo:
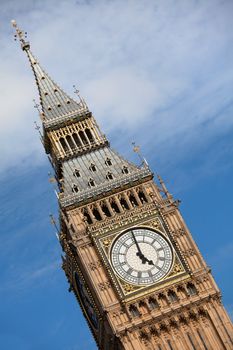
(56, 105)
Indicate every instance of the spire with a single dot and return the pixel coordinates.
(56, 105)
(164, 188)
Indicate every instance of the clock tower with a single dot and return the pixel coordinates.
(129, 257)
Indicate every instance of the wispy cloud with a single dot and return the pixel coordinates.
(163, 68)
(25, 277)
(222, 255)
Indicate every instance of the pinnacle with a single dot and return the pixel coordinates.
(56, 105)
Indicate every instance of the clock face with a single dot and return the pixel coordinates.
(141, 256)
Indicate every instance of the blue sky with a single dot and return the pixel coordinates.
(155, 72)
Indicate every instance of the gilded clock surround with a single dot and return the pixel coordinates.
(102, 195)
(126, 290)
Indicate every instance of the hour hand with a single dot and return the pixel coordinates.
(144, 259)
(150, 262)
(139, 252)
(141, 256)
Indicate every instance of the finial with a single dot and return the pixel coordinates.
(37, 128)
(21, 36)
(160, 179)
(36, 105)
(53, 222)
(52, 179)
(164, 188)
(76, 91)
(136, 149)
(81, 99)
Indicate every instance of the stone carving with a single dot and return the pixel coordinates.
(95, 265)
(104, 285)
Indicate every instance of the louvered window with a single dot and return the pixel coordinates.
(91, 183)
(108, 162)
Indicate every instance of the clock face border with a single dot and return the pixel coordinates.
(152, 273)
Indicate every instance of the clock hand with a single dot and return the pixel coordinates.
(150, 262)
(134, 238)
(139, 252)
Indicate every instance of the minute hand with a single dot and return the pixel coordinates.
(139, 249)
(139, 253)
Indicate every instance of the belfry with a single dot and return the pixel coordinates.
(129, 257)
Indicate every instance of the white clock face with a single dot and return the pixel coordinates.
(141, 256)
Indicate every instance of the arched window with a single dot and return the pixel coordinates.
(63, 143)
(91, 183)
(106, 210)
(87, 216)
(153, 304)
(172, 296)
(92, 167)
(76, 173)
(75, 188)
(133, 200)
(96, 214)
(134, 311)
(109, 176)
(115, 207)
(108, 162)
(125, 170)
(83, 137)
(142, 303)
(142, 197)
(124, 204)
(89, 135)
(70, 142)
(191, 289)
(76, 140)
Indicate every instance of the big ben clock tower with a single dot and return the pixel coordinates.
(130, 260)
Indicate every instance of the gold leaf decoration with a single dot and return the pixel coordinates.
(177, 269)
(128, 288)
(156, 224)
(106, 242)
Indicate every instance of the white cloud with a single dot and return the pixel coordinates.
(127, 98)
(24, 277)
(160, 64)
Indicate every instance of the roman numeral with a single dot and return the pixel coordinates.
(150, 273)
(160, 268)
(159, 249)
(130, 270)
